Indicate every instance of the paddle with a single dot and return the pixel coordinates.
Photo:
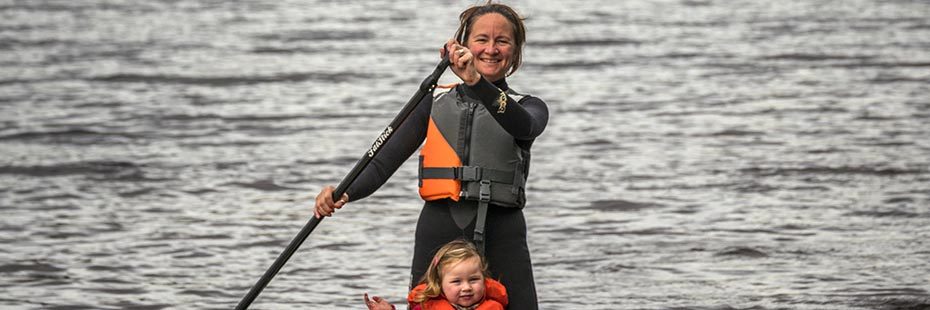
(426, 87)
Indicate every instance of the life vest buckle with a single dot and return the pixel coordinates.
(484, 191)
(479, 238)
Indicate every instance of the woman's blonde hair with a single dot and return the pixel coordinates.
(450, 254)
(470, 15)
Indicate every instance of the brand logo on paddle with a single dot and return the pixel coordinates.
(383, 137)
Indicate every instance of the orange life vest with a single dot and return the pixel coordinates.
(495, 298)
(468, 155)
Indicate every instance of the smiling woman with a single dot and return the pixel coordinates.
(495, 38)
(475, 155)
(492, 45)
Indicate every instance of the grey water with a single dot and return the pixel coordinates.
(701, 154)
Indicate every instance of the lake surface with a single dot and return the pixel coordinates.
(700, 155)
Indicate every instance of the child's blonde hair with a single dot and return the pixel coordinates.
(450, 254)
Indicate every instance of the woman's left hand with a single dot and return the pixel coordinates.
(461, 60)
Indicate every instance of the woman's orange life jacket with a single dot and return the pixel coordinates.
(437, 152)
(495, 298)
(468, 155)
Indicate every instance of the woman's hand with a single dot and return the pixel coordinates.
(461, 61)
(325, 206)
(377, 303)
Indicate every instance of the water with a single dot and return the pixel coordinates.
(700, 155)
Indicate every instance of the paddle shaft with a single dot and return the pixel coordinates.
(426, 87)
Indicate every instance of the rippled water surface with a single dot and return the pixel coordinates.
(701, 154)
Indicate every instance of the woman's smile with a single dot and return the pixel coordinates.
(491, 41)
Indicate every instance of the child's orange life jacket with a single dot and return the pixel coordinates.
(495, 298)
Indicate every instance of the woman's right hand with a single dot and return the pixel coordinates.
(461, 61)
(325, 206)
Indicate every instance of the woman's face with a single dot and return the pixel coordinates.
(463, 283)
(491, 41)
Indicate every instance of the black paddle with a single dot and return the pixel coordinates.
(426, 87)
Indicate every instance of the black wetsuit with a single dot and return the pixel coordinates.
(505, 231)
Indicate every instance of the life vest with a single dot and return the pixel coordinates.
(468, 155)
(495, 298)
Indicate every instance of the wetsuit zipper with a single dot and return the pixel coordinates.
(469, 120)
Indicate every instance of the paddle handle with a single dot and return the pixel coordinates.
(426, 88)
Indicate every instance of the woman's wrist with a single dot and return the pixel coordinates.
(473, 82)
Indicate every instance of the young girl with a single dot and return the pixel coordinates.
(457, 279)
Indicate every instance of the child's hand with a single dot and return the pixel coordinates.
(377, 303)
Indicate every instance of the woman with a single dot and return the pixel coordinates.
(475, 159)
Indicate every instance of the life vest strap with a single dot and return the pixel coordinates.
(484, 195)
(467, 174)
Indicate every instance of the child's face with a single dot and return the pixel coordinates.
(463, 283)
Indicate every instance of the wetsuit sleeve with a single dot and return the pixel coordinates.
(524, 121)
(406, 140)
